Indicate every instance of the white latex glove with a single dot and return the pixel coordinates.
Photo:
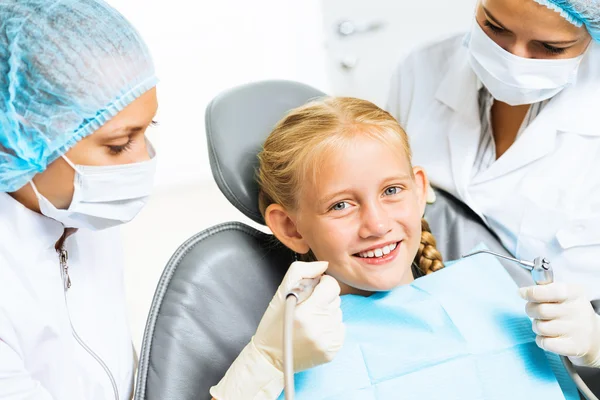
(565, 322)
(257, 373)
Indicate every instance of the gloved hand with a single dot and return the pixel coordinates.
(257, 373)
(565, 322)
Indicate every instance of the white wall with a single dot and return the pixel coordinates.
(373, 55)
(203, 47)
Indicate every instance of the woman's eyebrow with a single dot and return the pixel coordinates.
(490, 16)
(124, 131)
(559, 41)
(550, 42)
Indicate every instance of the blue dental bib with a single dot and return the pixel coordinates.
(459, 333)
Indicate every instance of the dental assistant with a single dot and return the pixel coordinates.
(77, 92)
(507, 119)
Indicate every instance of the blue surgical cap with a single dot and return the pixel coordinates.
(579, 13)
(66, 68)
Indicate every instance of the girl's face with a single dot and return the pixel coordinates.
(530, 30)
(362, 214)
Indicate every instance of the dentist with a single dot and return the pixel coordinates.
(507, 119)
(77, 92)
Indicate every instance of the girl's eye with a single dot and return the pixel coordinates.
(392, 190)
(342, 205)
(116, 150)
(495, 29)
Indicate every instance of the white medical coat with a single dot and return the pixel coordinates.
(542, 196)
(40, 357)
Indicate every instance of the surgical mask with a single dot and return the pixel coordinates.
(516, 80)
(104, 196)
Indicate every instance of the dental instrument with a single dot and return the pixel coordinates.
(540, 268)
(295, 296)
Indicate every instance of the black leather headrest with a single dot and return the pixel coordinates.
(237, 123)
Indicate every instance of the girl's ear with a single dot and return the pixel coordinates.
(422, 185)
(283, 226)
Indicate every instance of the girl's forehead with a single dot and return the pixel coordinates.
(367, 159)
(360, 150)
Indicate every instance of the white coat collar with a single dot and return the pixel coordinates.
(26, 229)
(459, 90)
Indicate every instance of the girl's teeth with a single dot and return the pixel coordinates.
(378, 252)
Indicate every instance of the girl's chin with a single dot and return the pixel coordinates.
(366, 289)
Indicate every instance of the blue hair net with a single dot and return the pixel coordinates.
(578, 12)
(66, 68)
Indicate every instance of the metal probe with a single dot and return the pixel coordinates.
(541, 270)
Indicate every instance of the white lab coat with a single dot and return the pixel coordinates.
(542, 197)
(40, 357)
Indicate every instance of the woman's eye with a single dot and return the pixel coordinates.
(392, 190)
(553, 50)
(342, 205)
(493, 28)
(116, 150)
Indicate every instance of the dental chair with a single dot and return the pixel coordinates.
(218, 284)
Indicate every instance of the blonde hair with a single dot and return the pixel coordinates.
(298, 141)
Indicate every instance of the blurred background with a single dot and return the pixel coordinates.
(342, 47)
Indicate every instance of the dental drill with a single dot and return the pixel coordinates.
(295, 296)
(542, 274)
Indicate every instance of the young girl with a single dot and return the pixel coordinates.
(336, 184)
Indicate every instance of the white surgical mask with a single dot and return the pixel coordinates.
(516, 80)
(104, 196)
